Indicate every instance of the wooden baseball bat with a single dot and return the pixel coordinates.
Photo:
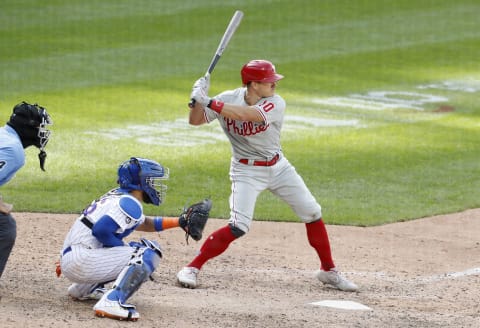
(227, 36)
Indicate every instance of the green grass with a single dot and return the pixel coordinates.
(125, 69)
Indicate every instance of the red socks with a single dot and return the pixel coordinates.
(213, 246)
(318, 239)
(220, 239)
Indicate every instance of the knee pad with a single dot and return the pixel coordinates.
(152, 244)
(146, 257)
(237, 232)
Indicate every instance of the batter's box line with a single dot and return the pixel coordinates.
(381, 275)
(451, 275)
(433, 278)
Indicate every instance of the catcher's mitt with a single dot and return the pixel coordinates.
(194, 218)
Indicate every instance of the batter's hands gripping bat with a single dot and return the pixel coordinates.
(231, 28)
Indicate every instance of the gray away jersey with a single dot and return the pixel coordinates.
(252, 140)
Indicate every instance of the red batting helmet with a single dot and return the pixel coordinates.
(259, 71)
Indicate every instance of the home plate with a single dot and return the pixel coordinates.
(345, 305)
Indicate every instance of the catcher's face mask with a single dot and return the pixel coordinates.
(155, 188)
(43, 131)
(145, 175)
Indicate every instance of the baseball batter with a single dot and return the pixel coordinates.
(251, 117)
(26, 127)
(94, 252)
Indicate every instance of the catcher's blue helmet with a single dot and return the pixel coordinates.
(146, 175)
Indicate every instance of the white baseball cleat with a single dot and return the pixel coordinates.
(187, 277)
(114, 310)
(335, 279)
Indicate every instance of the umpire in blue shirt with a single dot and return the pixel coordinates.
(26, 127)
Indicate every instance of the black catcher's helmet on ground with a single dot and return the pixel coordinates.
(30, 122)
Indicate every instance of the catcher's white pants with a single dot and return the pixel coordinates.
(97, 265)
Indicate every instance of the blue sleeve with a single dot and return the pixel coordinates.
(126, 232)
(11, 160)
(105, 231)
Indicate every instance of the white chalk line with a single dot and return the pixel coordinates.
(351, 305)
(451, 275)
(379, 275)
(392, 277)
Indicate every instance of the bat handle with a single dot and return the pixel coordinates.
(192, 102)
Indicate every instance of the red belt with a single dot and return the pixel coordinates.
(271, 162)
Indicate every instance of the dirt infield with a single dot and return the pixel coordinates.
(422, 273)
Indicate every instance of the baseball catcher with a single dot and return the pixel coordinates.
(95, 253)
(194, 218)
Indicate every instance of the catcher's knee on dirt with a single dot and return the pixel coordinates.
(80, 291)
(142, 265)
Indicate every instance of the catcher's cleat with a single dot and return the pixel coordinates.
(187, 277)
(83, 292)
(115, 310)
(335, 279)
